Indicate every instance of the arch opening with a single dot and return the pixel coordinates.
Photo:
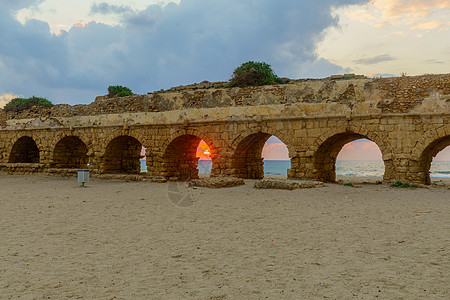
(123, 155)
(348, 154)
(440, 165)
(361, 157)
(71, 153)
(143, 160)
(435, 160)
(249, 159)
(182, 155)
(24, 150)
(204, 158)
(275, 156)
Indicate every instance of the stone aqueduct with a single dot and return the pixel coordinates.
(407, 117)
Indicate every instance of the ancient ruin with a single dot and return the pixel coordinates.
(407, 117)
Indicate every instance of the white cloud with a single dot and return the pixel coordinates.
(5, 98)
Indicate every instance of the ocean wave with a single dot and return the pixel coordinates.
(442, 172)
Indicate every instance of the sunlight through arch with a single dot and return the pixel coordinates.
(182, 155)
(360, 157)
(143, 160)
(275, 156)
(437, 152)
(248, 158)
(204, 158)
(440, 165)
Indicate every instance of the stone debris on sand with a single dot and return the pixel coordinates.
(128, 177)
(217, 182)
(286, 184)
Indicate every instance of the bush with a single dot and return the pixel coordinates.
(119, 91)
(20, 104)
(400, 184)
(254, 74)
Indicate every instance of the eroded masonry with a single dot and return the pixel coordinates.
(407, 117)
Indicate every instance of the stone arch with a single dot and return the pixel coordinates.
(280, 134)
(246, 160)
(361, 130)
(205, 136)
(70, 152)
(24, 150)
(324, 160)
(122, 155)
(428, 154)
(180, 156)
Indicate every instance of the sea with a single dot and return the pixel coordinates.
(343, 168)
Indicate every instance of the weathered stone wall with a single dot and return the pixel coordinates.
(2, 119)
(384, 95)
(408, 118)
(403, 94)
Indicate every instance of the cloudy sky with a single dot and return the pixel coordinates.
(70, 51)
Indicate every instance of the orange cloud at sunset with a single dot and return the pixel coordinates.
(414, 7)
(80, 25)
(429, 25)
(382, 13)
(360, 150)
(275, 151)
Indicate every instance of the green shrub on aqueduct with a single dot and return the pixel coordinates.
(20, 104)
(254, 74)
(119, 91)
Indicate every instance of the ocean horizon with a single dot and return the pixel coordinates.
(343, 168)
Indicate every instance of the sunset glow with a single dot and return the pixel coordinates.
(203, 151)
(275, 151)
(142, 155)
(444, 155)
(360, 150)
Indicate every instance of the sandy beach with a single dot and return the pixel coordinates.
(141, 240)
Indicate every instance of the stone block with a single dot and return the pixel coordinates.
(309, 153)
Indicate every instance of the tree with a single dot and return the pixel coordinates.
(254, 74)
(20, 104)
(119, 91)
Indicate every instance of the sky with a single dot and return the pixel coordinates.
(70, 51)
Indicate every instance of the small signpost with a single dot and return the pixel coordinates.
(83, 176)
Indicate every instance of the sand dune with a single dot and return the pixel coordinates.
(142, 240)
